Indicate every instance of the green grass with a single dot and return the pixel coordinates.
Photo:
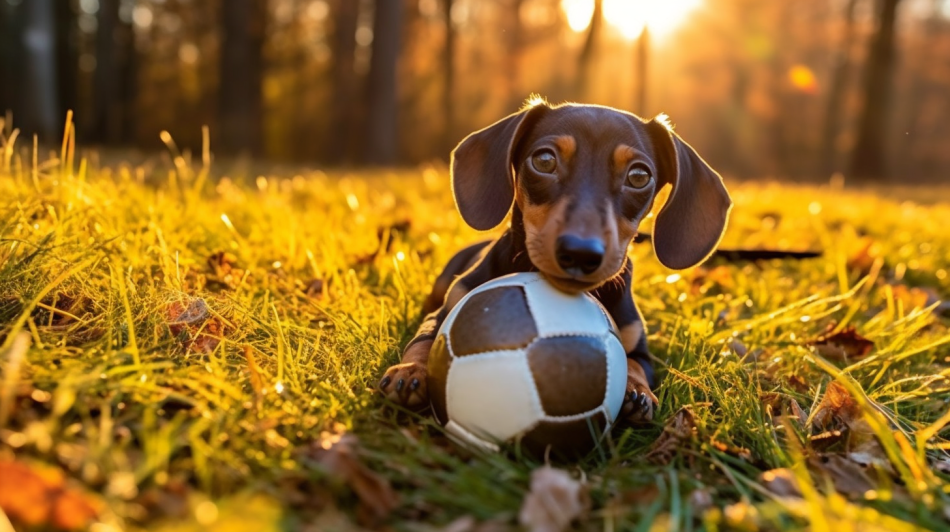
(94, 263)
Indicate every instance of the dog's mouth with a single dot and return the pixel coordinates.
(569, 284)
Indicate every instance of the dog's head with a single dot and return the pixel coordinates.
(583, 177)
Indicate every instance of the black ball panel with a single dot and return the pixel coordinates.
(494, 320)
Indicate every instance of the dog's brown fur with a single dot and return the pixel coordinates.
(608, 167)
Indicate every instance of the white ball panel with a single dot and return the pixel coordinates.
(493, 395)
(559, 314)
(616, 376)
(466, 438)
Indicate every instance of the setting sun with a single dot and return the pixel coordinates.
(630, 16)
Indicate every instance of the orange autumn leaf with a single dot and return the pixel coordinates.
(195, 325)
(36, 495)
(73, 510)
(913, 297)
(865, 254)
(838, 410)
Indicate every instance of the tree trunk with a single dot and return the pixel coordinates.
(381, 145)
(869, 160)
(114, 78)
(586, 58)
(448, 71)
(643, 71)
(840, 77)
(778, 67)
(38, 94)
(515, 43)
(345, 87)
(67, 57)
(7, 58)
(921, 90)
(241, 73)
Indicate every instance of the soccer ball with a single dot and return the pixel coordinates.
(517, 360)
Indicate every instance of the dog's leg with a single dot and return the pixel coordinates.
(457, 265)
(639, 401)
(405, 383)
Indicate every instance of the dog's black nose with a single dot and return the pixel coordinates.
(576, 254)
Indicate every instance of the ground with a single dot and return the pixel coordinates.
(190, 348)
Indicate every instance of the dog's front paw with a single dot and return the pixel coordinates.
(639, 402)
(405, 384)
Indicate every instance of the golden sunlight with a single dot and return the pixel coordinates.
(578, 13)
(803, 79)
(630, 16)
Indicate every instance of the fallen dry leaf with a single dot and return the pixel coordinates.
(838, 424)
(837, 410)
(700, 500)
(781, 482)
(705, 278)
(337, 454)
(844, 346)
(783, 405)
(848, 478)
(224, 272)
(642, 496)
(222, 262)
(554, 502)
(913, 297)
(194, 324)
(467, 523)
(60, 309)
(742, 516)
(37, 495)
(169, 500)
(797, 383)
(332, 519)
(865, 254)
(680, 428)
(315, 288)
(733, 450)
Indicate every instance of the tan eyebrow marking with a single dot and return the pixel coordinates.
(623, 154)
(567, 145)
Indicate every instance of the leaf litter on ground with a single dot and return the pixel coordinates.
(129, 246)
(555, 500)
(38, 495)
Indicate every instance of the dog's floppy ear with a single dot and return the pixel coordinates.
(482, 173)
(690, 225)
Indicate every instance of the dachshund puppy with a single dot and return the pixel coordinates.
(576, 180)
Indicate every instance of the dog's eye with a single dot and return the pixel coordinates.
(638, 176)
(544, 161)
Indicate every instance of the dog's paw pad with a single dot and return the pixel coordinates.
(405, 384)
(638, 406)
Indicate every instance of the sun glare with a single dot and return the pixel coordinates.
(578, 13)
(630, 16)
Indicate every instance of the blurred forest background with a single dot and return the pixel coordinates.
(762, 88)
